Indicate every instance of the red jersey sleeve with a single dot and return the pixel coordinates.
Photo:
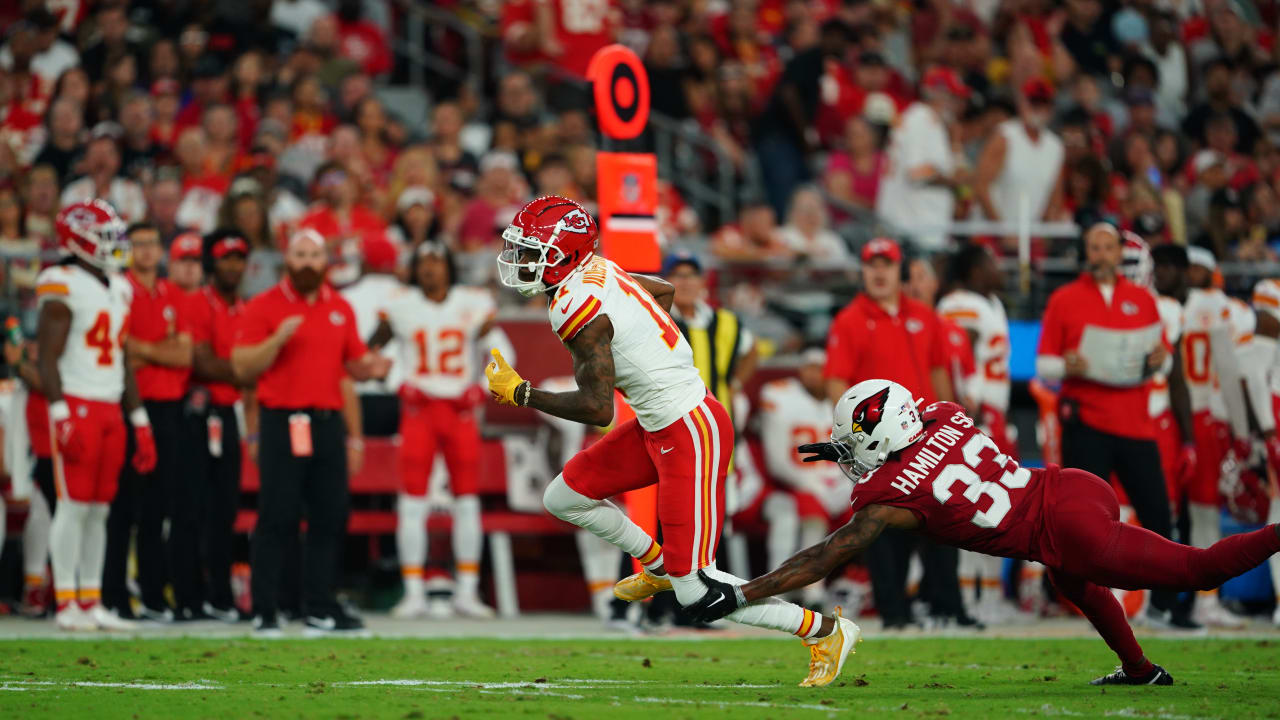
(843, 350)
(257, 324)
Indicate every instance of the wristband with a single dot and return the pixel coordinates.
(737, 593)
(138, 418)
(59, 411)
(355, 442)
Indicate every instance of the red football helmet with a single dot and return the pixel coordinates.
(1137, 265)
(1243, 483)
(92, 231)
(545, 243)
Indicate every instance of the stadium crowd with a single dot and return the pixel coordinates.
(233, 129)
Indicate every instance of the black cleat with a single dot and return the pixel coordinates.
(267, 625)
(1158, 676)
(337, 622)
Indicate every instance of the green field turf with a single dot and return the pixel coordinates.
(743, 678)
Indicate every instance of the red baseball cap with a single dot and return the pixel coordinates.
(187, 246)
(380, 254)
(881, 247)
(1037, 89)
(944, 78)
(227, 244)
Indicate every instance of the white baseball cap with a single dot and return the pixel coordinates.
(1197, 255)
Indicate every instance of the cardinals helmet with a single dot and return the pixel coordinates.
(873, 419)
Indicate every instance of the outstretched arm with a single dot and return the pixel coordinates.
(816, 562)
(592, 402)
(805, 567)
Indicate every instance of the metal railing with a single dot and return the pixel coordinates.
(419, 18)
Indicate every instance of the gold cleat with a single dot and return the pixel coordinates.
(640, 586)
(827, 655)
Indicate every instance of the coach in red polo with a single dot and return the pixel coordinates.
(1107, 428)
(885, 334)
(298, 341)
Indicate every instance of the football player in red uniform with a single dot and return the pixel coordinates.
(939, 474)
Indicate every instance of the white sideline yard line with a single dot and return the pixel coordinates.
(1055, 711)
(41, 684)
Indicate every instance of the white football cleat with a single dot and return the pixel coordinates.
(410, 607)
(106, 619)
(470, 606)
(1275, 617)
(1210, 612)
(439, 608)
(74, 619)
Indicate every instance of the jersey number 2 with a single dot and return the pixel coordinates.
(99, 338)
(1014, 477)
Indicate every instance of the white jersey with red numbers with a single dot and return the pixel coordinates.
(92, 363)
(1204, 311)
(986, 317)
(652, 362)
(438, 339)
(790, 416)
(1171, 319)
(1266, 299)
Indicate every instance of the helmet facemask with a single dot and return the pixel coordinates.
(855, 461)
(523, 261)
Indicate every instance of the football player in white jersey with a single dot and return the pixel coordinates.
(1206, 320)
(619, 331)
(1169, 401)
(793, 410)
(1266, 303)
(85, 374)
(974, 305)
(437, 324)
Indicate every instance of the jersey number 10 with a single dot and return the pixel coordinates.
(1013, 478)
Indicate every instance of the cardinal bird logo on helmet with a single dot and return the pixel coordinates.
(868, 413)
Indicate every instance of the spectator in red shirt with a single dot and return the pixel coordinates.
(571, 32)
(362, 41)
(498, 192)
(311, 113)
(1107, 428)
(337, 215)
(209, 85)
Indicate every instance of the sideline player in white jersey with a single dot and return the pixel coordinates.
(792, 411)
(973, 305)
(1169, 401)
(85, 374)
(1206, 320)
(437, 325)
(1266, 303)
(619, 331)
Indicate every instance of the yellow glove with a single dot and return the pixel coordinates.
(503, 381)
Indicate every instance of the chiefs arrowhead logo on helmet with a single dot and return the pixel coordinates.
(576, 221)
(868, 413)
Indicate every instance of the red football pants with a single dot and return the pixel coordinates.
(428, 424)
(1212, 442)
(94, 475)
(688, 459)
(1097, 551)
